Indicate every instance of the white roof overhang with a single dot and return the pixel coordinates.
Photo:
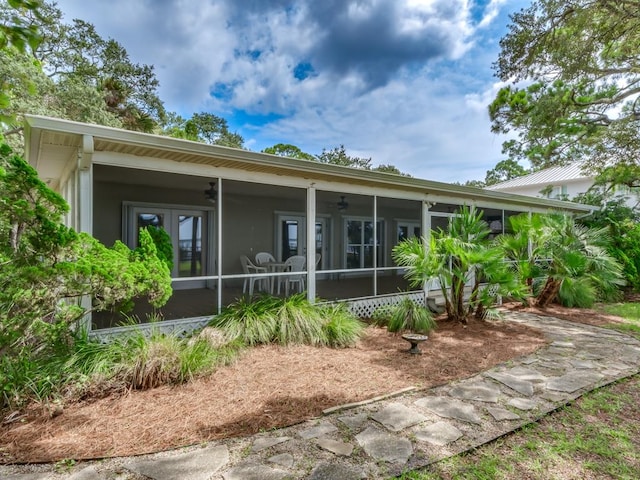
(52, 144)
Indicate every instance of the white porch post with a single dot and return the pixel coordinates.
(426, 235)
(219, 243)
(85, 186)
(84, 205)
(375, 245)
(311, 244)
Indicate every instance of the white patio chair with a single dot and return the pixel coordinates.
(292, 264)
(248, 268)
(264, 257)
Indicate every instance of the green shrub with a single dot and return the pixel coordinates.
(342, 328)
(292, 320)
(140, 362)
(299, 322)
(577, 292)
(252, 322)
(405, 316)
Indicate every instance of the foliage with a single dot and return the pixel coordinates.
(253, 322)
(452, 258)
(292, 320)
(338, 156)
(623, 225)
(578, 99)
(568, 260)
(140, 361)
(203, 127)
(17, 35)
(74, 73)
(288, 150)
(48, 270)
(341, 326)
(335, 156)
(388, 168)
(405, 316)
(164, 246)
(83, 366)
(503, 171)
(524, 249)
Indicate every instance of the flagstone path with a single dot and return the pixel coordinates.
(384, 438)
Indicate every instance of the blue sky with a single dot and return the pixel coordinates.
(405, 82)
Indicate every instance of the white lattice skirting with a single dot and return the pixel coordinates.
(365, 307)
(362, 307)
(180, 328)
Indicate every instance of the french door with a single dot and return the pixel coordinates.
(291, 237)
(191, 238)
(408, 230)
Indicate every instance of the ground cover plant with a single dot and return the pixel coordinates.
(405, 316)
(288, 321)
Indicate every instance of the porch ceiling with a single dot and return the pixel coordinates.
(52, 142)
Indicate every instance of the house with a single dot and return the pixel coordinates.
(555, 182)
(219, 204)
(565, 182)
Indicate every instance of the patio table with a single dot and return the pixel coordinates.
(273, 267)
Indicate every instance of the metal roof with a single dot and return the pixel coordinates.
(548, 176)
(51, 142)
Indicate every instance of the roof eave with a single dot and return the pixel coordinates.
(35, 124)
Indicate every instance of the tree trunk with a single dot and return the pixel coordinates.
(548, 293)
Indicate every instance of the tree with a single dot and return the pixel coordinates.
(580, 61)
(16, 35)
(503, 171)
(203, 127)
(388, 168)
(80, 63)
(338, 156)
(579, 268)
(288, 150)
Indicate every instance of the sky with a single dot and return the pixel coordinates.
(403, 82)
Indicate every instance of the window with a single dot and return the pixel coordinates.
(555, 192)
(359, 245)
(191, 232)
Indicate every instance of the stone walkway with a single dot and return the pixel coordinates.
(384, 438)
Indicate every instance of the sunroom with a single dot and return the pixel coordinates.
(222, 207)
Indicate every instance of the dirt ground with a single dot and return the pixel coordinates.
(269, 387)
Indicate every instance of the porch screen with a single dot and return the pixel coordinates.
(360, 246)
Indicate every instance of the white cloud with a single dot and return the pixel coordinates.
(405, 82)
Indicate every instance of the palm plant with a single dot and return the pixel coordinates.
(406, 316)
(579, 264)
(452, 258)
(523, 249)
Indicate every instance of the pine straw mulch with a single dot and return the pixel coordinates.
(267, 387)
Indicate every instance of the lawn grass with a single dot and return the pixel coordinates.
(595, 437)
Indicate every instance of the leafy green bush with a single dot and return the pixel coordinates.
(292, 320)
(405, 316)
(47, 271)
